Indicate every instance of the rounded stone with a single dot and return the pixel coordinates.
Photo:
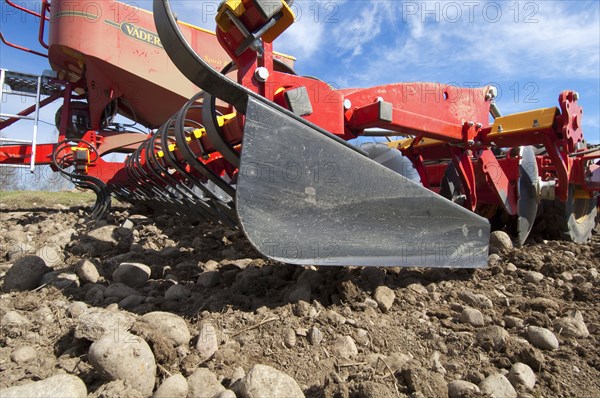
(171, 326)
(542, 338)
(175, 386)
(132, 274)
(25, 274)
(125, 357)
(521, 374)
(56, 386)
(23, 355)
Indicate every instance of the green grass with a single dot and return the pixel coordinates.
(34, 199)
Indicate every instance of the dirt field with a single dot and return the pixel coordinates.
(335, 331)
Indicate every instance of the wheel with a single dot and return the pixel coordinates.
(392, 159)
(573, 220)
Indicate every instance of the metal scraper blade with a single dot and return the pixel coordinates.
(303, 198)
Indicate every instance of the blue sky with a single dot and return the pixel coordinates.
(531, 50)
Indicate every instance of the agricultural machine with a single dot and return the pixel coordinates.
(238, 138)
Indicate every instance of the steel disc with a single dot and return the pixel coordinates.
(527, 193)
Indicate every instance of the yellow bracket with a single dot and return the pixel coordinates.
(286, 20)
(408, 142)
(236, 7)
(76, 148)
(222, 19)
(538, 119)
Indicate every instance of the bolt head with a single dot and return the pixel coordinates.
(261, 74)
(576, 96)
(347, 104)
(491, 93)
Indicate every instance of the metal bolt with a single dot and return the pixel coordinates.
(347, 104)
(471, 124)
(576, 96)
(492, 93)
(478, 125)
(379, 99)
(261, 74)
(470, 142)
(500, 129)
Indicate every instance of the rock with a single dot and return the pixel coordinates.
(203, 384)
(289, 338)
(374, 276)
(132, 274)
(127, 224)
(76, 309)
(171, 327)
(207, 343)
(177, 292)
(418, 289)
(521, 374)
(98, 322)
(23, 355)
(104, 240)
(542, 338)
(61, 239)
(300, 292)
(333, 317)
(571, 327)
(344, 347)
(175, 386)
(209, 279)
(369, 302)
(130, 302)
(492, 337)
(533, 276)
(510, 268)
(15, 236)
(461, 388)
(226, 394)
(56, 386)
(472, 316)
(494, 260)
(315, 337)
(13, 322)
(425, 382)
(501, 240)
(497, 386)
(116, 389)
(513, 322)
(18, 250)
(126, 357)
(384, 296)
(25, 274)
(119, 291)
(265, 381)
(87, 271)
(60, 280)
(476, 300)
(95, 295)
(52, 257)
(371, 389)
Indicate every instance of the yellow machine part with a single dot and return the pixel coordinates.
(198, 133)
(408, 142)
(525, 121)
(237, 8)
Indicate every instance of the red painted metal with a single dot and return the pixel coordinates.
(18, 47)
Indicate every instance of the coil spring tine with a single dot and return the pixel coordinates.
(190, 157)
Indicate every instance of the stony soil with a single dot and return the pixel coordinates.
(169, 308)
